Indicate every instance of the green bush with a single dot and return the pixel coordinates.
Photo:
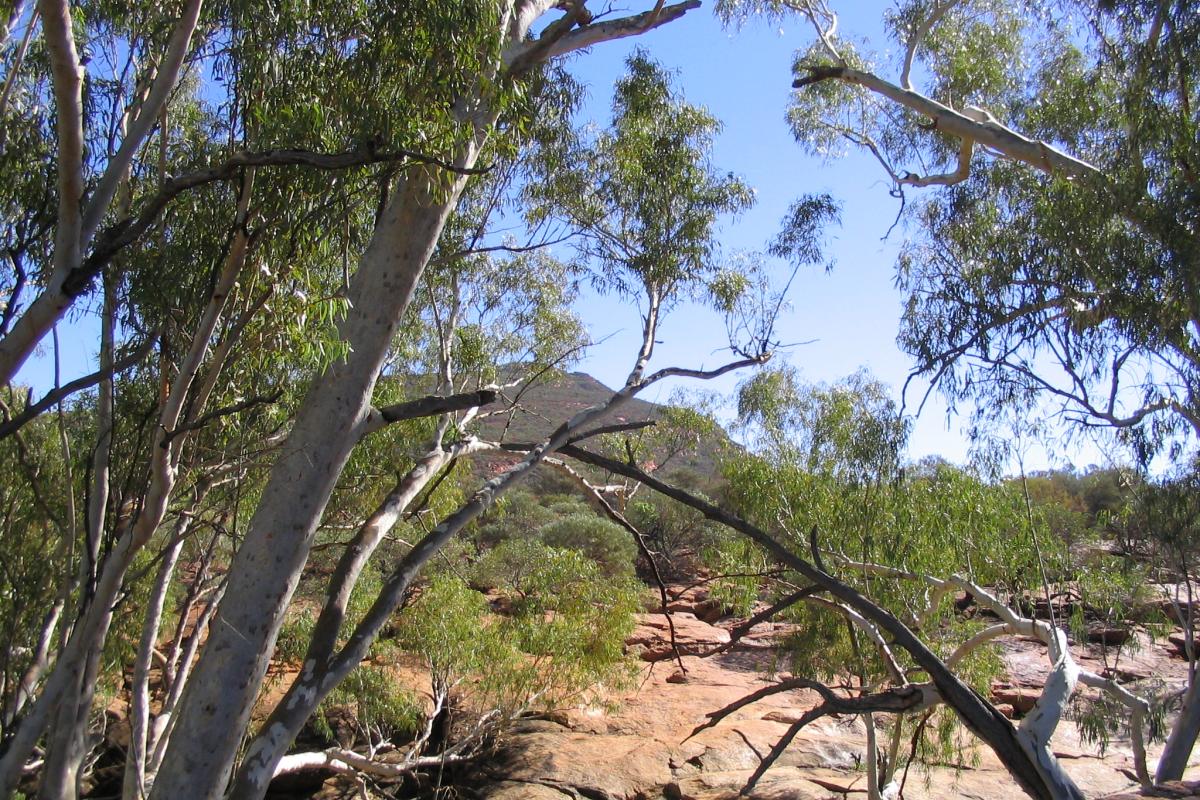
(379, 708)
(605, 542)
(564, 633)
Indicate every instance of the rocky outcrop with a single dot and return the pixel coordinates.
(644, 750)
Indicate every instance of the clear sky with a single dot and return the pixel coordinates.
(849, 316)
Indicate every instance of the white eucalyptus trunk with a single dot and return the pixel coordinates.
(215, 709)
(1182, 738)
(139, 690)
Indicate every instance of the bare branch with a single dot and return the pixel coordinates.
(976, 713)
(565, 39)
(164, 82)
(235, 408)
(715, 717)
(640, 540)
(893, 701)
(985, 131)
(68, 100)
(121, 234)
(960, 173)
(426, 407)
(743, 628)
(54, 396)
(917, 38)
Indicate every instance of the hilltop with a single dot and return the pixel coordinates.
(546, 404)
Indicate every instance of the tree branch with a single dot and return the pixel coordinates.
(236, 408)
(426, 407)
(67, 74)
(982, 129)
(563, 40)
(922, 30)
(139, 129)
(127, 231)
(976, 713)
(79, 384)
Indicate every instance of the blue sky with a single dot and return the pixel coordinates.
(846, 318)
(849, 316)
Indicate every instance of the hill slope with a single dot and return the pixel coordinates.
(546, 405)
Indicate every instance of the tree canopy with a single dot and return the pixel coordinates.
(329, 249)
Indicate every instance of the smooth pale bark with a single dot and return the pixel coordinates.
(66, 701)
(1182, 739)
(14, 16)
(165, 721)
(67, 743)
(968, 124)
(298, 703)
(1039, 725)
(75, 227)
(98, 499)
(67, 76)
(27, 684)
(216, 707)
(139, 690)
(14, 69)
(319, 677)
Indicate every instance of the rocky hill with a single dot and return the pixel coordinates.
(546, 404)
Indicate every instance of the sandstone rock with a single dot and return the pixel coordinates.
(779, 783)
(692, 636)
(523, 790)
(608, 767)
(1019, 698)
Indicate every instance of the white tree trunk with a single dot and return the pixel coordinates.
(1182, 738)
(216, 708)
(139, 690)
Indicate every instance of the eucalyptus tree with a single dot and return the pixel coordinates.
(1057, 261)
(316, 86)
(830, 461)
(496, 49)
(679, 260)
(937, 523)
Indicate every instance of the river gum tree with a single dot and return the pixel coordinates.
(1047, 153)
(450, 104)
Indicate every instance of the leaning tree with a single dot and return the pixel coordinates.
(1054, 258)
(301, 140)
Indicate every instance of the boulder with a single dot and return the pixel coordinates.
(609, 767)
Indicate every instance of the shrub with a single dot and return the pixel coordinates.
(605, 542)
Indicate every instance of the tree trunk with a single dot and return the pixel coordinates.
(139, 691)
(1182, 738)
(215, 709)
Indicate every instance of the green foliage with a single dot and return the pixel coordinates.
(379, 709)
(605, 542)
(850, 430)
(1025, 287)
(800, 239)
(446, 625)
(563, 631)
(677, 533)
(642, 193)
(294, 635)
(558, 521)
(515, 515)
(830, 462)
